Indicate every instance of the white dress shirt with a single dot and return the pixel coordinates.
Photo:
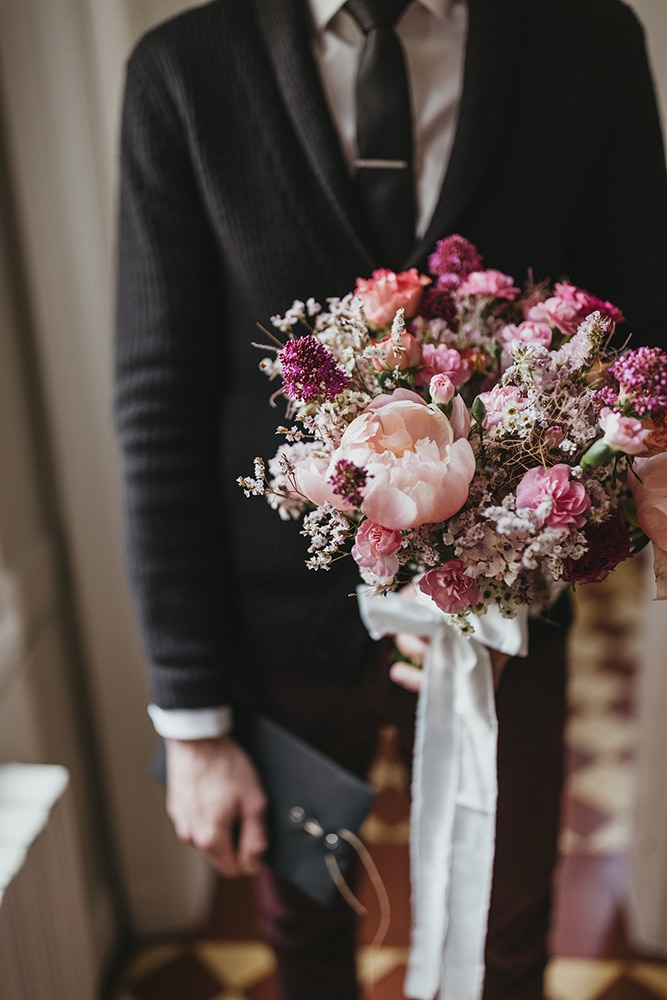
(433, 33)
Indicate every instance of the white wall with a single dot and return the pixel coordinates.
(61, 68)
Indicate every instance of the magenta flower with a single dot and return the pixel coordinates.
(641, 377)
(559, 501)
(310, 371)
(348, 481)
(454, 257)
(450, 588)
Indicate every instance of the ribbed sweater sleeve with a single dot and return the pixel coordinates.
(169, 378)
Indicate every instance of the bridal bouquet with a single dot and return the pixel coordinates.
(485, 442)
(477, 438)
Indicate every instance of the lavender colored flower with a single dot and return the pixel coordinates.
(641, 375)
(349, 481)
(454, 258)
(310, 371)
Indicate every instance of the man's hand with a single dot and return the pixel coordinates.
(413, 647)
(216, 802)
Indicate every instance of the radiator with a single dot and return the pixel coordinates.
(46, 944)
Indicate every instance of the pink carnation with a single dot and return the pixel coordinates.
(625, 434)
(386, 292)
(489, 282)
(560, 501)
(450, 588)
(374, 552)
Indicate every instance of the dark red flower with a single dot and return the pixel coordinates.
(608, 545)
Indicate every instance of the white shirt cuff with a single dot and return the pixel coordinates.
(191, 723)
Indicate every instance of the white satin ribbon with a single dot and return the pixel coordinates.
(454, 789)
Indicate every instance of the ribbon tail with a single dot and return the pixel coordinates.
(435, 775)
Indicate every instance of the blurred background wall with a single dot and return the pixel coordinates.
(72, 679)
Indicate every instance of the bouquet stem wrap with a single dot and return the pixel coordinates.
(454, 789)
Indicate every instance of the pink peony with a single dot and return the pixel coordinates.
(374, 552)
(459, 418)
(625, 434)
(450, 588)
(563, 502)
(417, 470)
(402, 351)
(386, 292)
(489, 282)
(649, 489)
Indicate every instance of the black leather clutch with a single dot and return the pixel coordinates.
(316, 808)
(315, 805)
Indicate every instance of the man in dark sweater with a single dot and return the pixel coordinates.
(537, 138)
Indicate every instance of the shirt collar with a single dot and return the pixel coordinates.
(321, 11)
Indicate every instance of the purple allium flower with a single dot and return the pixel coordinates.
(641, 375)
(349, 481)
(310, 370)
(454, 257)
(439, 303)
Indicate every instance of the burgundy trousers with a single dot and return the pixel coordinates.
(315, 946)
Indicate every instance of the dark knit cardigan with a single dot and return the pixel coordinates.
(235, 200)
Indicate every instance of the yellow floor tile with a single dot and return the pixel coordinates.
(579, 979)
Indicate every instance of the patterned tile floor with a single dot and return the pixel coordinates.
(592, 958)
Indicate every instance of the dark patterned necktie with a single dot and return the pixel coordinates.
(384, 171)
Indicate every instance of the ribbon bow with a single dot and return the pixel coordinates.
(454, 789)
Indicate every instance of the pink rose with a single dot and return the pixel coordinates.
(625, 434)
(438, 359)
(564, 502)
(587, 303)
(569, 306)
(374, 552)
(563, 314)
(417, 471)
(441, 388)
(450, 588)
(489, 282)
(386, 292)
(649, 490)
(528, 332)
(403, 351)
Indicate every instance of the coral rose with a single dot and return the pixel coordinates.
(417, 471)
(385, 292)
